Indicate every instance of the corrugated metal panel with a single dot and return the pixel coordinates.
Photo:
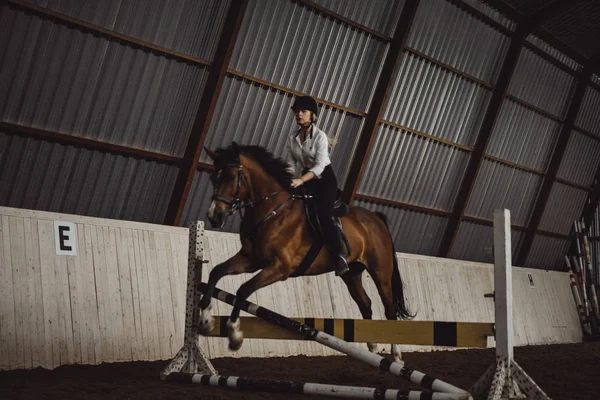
(548, 253)
(430, 99)
(411, 169)
(595, 227)
(523, 136)
(198, 203)
(595, 244)
(284, 43)
(581, 159)
(564, 206)
(588, 117)
(492, 13)
(594, 230)
(474, 242)
(412, 232)
(500, 186)
(541, 84)
(253, 114)
(47, 176)
(64, 80)
(450, 35)
(189, 26)
(380, 15)
(546, 48)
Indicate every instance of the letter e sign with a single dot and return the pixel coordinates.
(66, 238)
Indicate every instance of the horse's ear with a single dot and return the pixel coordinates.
(211, 154)
(236, 151)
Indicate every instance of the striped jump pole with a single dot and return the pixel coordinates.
(339, 391)
(395, 368)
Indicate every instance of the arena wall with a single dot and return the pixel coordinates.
(122, 296)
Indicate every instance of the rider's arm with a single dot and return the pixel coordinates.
(289, 158)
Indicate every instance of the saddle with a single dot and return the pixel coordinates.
(340, 209)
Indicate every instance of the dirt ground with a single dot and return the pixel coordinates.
(564, 371)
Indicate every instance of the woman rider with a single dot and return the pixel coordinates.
(307, 153)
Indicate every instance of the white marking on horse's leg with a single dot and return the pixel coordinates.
(236, 336)
(372, 347)
(211, 210)
(207, 321)
(396, 353)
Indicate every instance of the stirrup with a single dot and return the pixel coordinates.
(341, 266)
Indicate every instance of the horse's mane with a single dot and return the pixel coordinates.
(274, 166)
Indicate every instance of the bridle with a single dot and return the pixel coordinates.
(236, 203)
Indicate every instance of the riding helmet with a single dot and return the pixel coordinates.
(306, 103)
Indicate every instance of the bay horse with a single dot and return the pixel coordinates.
(275, 237)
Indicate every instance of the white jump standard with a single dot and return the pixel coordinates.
(505, 379)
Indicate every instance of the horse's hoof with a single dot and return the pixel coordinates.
(372, 347)
(236, 336)
(396, 353)
(207, 321)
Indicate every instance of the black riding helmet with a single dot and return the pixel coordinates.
(306, 103)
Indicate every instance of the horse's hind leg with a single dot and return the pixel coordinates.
(361, 298)
(235, 265)
(384, 287)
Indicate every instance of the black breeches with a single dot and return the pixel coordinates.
(325, 191)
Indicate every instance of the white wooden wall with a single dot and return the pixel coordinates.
(122, 298)
(437, 289)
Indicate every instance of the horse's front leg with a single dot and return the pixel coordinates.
(267, 276)
(237, 264)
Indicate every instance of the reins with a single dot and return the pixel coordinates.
(237, 204)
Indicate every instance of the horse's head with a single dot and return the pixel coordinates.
(230, 184)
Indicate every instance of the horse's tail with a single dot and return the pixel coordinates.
(402, 311)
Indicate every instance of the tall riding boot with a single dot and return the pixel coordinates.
(338, 254)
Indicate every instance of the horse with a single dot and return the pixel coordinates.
(276, 236)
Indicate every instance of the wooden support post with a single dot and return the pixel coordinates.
(208, 103)
(483, 138)
(557, 156)
(382, 91)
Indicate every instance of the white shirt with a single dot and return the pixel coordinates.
(312, 155)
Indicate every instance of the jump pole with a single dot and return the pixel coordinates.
(339, 391)
(398, 369)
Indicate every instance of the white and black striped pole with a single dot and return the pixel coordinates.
(395, 368)
(340, 391)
